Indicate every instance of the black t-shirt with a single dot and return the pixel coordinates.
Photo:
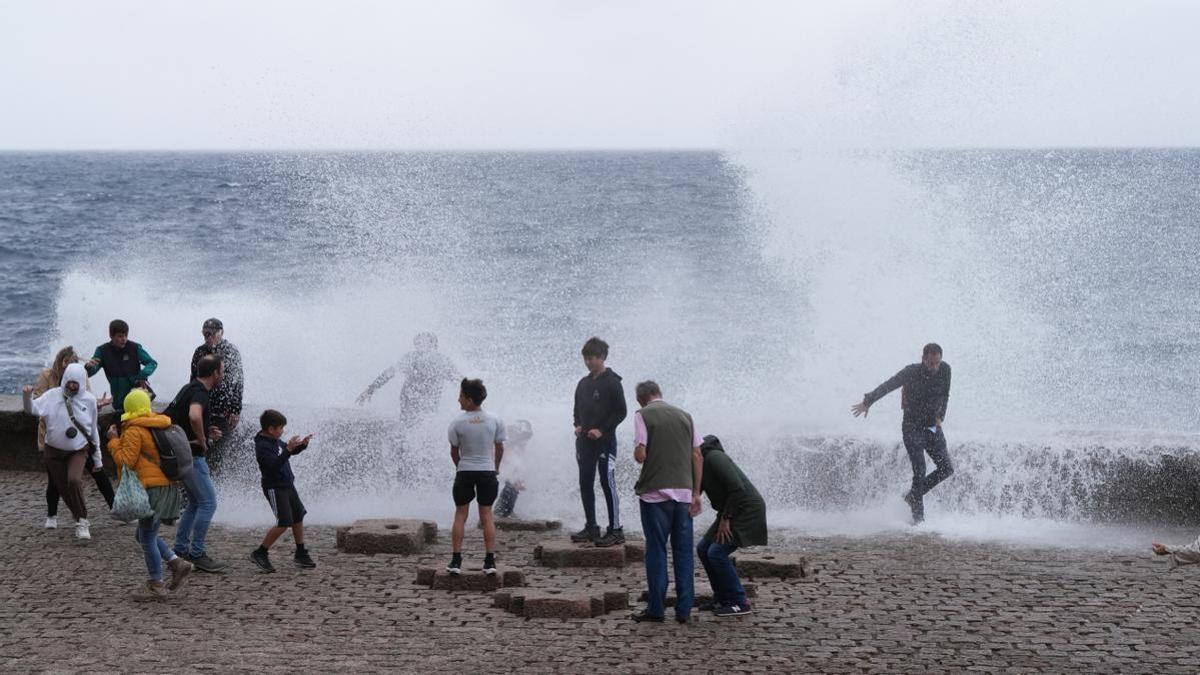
(192, 392)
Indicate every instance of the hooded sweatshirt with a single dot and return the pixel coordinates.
(135, 447)
(52, 408)
(274, 461)
(600, 403)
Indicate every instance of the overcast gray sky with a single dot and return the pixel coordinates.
(613, 74)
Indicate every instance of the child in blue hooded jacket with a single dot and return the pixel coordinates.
(278, 483)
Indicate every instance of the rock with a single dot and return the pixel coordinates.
(567, 554)
(523, 525)
(770, 564)
(386, 535)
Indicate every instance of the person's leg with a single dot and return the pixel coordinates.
(487, 486)
(460, 525)
(206, 505)
(713, 581)
(681, 554)
(51, 494)
(489, 529)
(656, 524)
(724, 574)
(147, 535)
(73, 495)
(915, 446)
(587, 459)
(187, 518)
(607, 464)
(298, 535)
(507, 501)
(941, 458)
(272, 536)
(102, 482)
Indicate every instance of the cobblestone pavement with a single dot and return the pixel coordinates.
(885, 604)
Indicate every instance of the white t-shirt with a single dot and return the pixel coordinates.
(476, 434)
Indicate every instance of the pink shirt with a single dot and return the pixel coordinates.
(672, 494)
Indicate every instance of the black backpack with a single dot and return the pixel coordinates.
(174, 452)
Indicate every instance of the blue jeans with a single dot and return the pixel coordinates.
(660, 521)
(598, 455)
(918, 441)
(198, 514)
(153, 547)
(722, 575)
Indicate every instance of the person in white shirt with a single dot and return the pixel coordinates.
(69, 411)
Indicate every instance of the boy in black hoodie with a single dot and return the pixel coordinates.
(278, 483)
(599, 408)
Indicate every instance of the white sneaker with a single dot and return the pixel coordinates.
(81, 529)
(52, 522)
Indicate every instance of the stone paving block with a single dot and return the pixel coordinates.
(635, 551)
(771, 564)
(561, 604)
(387, 535)
(441, 580)
(567, 554)
(527, 525)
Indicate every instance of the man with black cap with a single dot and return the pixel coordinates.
(226, 397)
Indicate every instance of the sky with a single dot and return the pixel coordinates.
(546, 74)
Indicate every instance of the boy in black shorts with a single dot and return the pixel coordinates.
(476, 447)
(278, 483)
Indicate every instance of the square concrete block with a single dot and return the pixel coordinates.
(635, 551)
(770, 564)
(387, 535)
(474, 580)
(545, 605)
(567, 554)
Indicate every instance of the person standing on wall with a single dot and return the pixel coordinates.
(599, 408)
(225, 400)
(925, 394)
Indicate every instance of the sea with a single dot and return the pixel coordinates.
(765, 291)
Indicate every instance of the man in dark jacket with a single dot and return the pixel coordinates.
(741, 521)
(925, 393)
(225, 402)
(599, 408)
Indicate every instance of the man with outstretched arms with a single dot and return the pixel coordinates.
(925, 391)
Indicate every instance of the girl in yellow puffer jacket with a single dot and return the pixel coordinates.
(134, 450)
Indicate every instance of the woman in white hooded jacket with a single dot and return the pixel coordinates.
(69, 441)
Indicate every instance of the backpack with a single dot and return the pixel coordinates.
(174, 452)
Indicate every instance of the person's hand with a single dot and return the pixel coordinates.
(112, 431)
(142, 384)
(578, 432)
(104, 400)
(234, 418)
(1159, 549)
(860, 409)
(724, 532)
(214, 434)
(695, 507)
(295, 442)
(97, 468)
(939, 425)
(27, 389)
(594, 434)
(91, 363)
(639, 453)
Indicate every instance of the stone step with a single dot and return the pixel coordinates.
(387, 535)
(527, 525)
(439, 579)
(757, 564)
(555, 604)
(561, 553)
(701, 598)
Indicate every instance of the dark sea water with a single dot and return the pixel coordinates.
(765, 292)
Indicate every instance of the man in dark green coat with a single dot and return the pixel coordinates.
(741, 521)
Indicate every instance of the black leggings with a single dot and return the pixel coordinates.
(102, 483)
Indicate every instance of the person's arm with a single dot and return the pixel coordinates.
(124, 448)
(616, 409)
(639, 437)
(93, 365)
(233, 380)
(499, 454)
(196, 419)
(196, 356)
(697, 480)
(32, 405)
(575, 412)
(895, 382)
(383, 379)
(941, 415)
(720, 471)
(149, 365)
(97, 459)
(454, 454)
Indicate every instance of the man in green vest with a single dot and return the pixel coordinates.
(668, 448)
(741, 521)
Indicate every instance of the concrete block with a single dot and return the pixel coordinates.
(387, 535)
(567, 554)
(439, 579)
(770, 564)
(527, 525)
(550, 605)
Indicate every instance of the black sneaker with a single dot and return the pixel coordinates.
(258, 557)
(211, 565)
(646, 616)
(489, 564)
(586, 534)
(733, 610)
(303, 559)
(455, 566)
(917, 505)
(611, 538)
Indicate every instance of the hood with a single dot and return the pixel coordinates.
(137, 404)
(609, 372)
(149, 420)
(74, 373)
(711, 444)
